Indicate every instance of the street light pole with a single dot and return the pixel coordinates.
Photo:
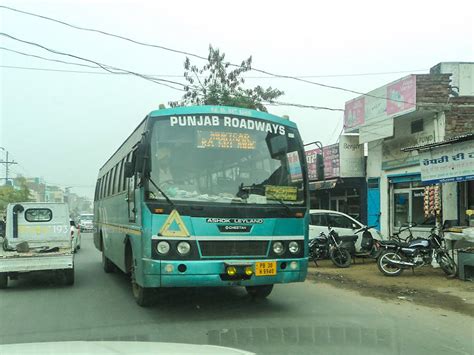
(7, 163)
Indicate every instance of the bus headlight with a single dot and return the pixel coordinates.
(183, 248)
(278, 248)
(163, 247)
(293, 247)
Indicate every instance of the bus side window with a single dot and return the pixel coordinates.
(96, 193)
(126, 159)
(120, 177)
(114, 181)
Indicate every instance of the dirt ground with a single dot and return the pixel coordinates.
(426, 286)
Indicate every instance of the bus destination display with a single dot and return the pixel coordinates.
(225, 140)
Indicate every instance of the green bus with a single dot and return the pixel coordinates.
(205, 196)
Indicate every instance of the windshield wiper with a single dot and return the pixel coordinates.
(280, 201)
(171, 203)
(244, 191)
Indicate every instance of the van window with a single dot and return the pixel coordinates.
(38, 215)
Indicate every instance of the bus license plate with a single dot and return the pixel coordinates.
(265, 268)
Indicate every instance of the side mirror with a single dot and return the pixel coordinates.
(128, 169)
(277, 145)
(355, 226)
(141, 158)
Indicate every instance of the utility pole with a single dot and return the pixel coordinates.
(7, 163)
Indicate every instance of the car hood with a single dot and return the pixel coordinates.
(116, 347)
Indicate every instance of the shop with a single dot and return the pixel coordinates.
(449, 165)
(341, 184)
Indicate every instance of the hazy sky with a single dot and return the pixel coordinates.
(63, 126)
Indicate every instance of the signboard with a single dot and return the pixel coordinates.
(354, 112)
(450, 163)
(311, 163)
(343, 159)
(351, 156)
(401, 95)
(375, 110)
(331, 161)
(296, 173)
(225, 140)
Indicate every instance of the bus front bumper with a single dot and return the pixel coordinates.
(201, 273)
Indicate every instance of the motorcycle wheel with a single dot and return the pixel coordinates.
(447, 263)
(384, 265)
(340, 257)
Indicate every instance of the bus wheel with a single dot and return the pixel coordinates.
(143, 295)
(3, 280)
(259, 291)
(107, 265)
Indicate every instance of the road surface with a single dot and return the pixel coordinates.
(298, 318)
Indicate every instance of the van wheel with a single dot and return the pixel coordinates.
(259, 292)
(69, 276)
(107, 265)
(3, 280)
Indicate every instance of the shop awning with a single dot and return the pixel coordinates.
(323, 185)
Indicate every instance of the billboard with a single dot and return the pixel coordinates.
(401, 95)
(450, 163)
(376, 109)
(311, 163)
(343, 159)
(351, 156)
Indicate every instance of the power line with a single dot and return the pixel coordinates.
(105, 67)
(269, 103)
(56, 70)
(48, 59)
(200, 56)
(279, 103)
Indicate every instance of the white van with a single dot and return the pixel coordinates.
(37, 237)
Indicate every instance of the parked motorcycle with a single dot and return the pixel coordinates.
(369, 246)
(398, 254)
(333, 246)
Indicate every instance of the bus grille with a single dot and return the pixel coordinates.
(234, 248)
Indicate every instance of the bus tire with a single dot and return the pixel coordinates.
(142, 295)
(259, 292)
(107, 265)
(69, 277)
(3, 280)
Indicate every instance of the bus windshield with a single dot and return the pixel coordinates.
(226, 160)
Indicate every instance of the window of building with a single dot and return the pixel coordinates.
(417, 126)
(408, 205)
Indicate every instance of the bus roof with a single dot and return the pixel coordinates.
(189, 110)
(210, 109)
